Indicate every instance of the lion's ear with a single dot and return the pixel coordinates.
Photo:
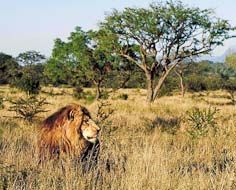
(71, 115)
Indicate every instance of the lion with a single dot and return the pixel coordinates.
(69, 132)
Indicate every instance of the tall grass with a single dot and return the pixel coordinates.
(139, 149)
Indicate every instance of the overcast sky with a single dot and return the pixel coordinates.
(34, 24)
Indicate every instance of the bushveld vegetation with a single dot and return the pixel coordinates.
(176, 143)
(178, 133)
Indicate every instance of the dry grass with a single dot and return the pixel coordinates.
(143, 147)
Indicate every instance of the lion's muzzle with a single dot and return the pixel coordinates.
(90, 131)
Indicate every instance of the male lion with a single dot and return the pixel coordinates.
(69, 131)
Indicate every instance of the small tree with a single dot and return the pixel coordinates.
(28, 80)
(85, 57)
(163, 35)
(30, 74)
(27, 108)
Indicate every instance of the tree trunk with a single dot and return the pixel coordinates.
(98, 90)
(158, 86)
(150, 90)
(181, 78)
(182, 86)
(162, 79)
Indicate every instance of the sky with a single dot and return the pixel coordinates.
(35, 24)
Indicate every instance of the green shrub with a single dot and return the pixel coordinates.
(196, 84)
(28, 81)
(199, 83)
(201, 121)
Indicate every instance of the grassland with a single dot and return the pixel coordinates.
(143, 146)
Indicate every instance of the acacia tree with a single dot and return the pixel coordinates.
(29, 58)
(84, 57)
(163, 35)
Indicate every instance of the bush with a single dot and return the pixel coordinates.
(123, 96)
(201, 121)
(27, 108)
(28, 80)
(230, 87)
(213, 83)
(196, 84)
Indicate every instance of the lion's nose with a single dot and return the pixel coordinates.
(97, 128)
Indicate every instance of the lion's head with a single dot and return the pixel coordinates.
(79, 120)
(70, 130)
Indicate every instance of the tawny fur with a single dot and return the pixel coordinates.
(60, 134)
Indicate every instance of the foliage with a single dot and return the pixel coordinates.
(30, 75)
(28, 80)
(27, 108)
(230, 86)
(8, 68)
(231, 60)
(228, 75)
(201, 121)
(161, 36)
(196, 84)
(84, 58)
(30, 58)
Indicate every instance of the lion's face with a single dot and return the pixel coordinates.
(84, 125)
(89, 129)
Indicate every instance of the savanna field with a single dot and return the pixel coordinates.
(142, 146)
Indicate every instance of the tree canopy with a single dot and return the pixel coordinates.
(163, 35)
(8, 68)
(30, 58)
(85, 57)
